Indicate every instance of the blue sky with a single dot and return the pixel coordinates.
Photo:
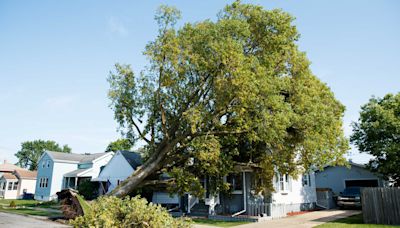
(55, 57)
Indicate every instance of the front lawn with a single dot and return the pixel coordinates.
(26, 211)
(29, 203)
(211, 222)
(30, 207)
(354, 221)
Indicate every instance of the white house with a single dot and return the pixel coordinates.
(290, 195)
(18, 183)
(57, 171)
(120, 167)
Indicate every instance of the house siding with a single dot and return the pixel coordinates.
(29, 185)
(54, 173)
(297, 194)
(335, 177)
(116, 169)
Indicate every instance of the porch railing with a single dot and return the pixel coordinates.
(192, 200)
(259, 209)
(269, 210)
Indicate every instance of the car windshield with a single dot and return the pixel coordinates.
(352, 191)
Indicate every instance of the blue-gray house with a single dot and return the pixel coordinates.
(337, 178)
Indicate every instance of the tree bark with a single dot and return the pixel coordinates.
(153, 164)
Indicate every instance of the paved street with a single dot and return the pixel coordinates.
(21, 221)
(306, 220)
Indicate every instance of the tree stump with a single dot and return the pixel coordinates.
(70, 204)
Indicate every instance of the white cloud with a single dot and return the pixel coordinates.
(117, 27)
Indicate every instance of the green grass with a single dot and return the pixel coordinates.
(26, 211)
(85, 205)
(4, 206)
(354, 221)
(26, 203)
(29, 203)
(217, 223)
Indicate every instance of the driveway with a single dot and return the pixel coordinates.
(21, 221)
(306, 220)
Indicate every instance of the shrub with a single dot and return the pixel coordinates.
(13, 204)
(128, 212)
(88, 189)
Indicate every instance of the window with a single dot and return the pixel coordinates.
(48, 163)
(283, 182)
(10, 185)
(306, 180)
(236, 181)
(44, 182)
(43, 164)
(15, 185)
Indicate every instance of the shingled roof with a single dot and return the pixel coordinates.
(9, 176)
(7, 167)
(78, 158)
(25, 174)
(134, 159)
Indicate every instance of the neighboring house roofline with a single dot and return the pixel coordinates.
(72, 158)
(9, 176)
(101, 157)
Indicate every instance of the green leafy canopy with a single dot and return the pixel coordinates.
(377, 133)
(119, 144)
(216, 94)
(31, 151)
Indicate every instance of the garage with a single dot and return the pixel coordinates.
(362, 183)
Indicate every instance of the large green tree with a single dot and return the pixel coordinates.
(30, 152)
(119, 144)
(377, 133)
(219, 93)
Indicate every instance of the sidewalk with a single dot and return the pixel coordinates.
(306, 220)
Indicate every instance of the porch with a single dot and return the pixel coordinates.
(74, 178)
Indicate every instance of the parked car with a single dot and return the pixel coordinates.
(350, 197)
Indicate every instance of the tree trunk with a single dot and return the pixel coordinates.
(148, 168)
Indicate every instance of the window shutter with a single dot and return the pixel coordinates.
(276, 182)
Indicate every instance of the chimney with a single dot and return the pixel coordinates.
(5, 161)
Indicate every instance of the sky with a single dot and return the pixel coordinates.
(55, 57)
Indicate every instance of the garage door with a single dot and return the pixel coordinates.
(362, 183)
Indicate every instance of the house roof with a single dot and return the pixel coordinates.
(25, 174)
(7, 167)
(134, 159)
(76, 158)
(9, 176)
(76, 173)
(363, 166)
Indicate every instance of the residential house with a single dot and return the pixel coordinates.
(290, 195)
(8, 167)
(57, 171)
(120, 167)
(17, 184)
(337, 178)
